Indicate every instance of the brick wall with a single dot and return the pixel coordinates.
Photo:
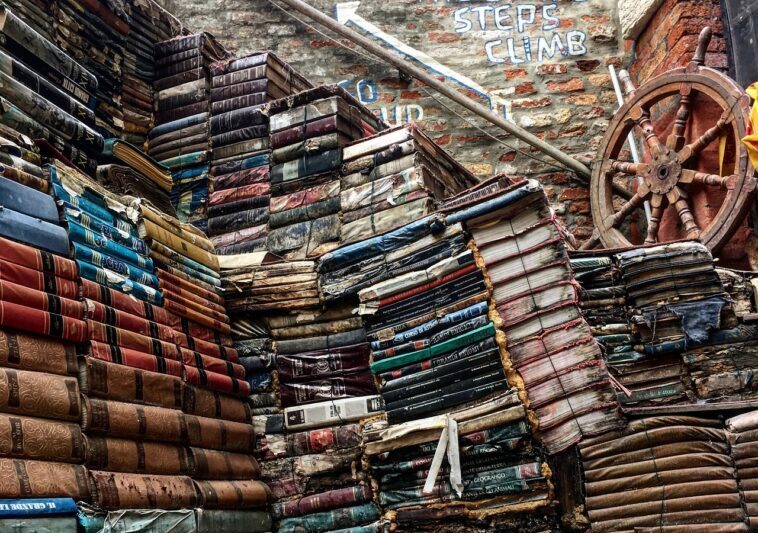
(670, 38)
(558, 88)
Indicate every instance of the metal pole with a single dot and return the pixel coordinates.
(629, 137)
(408, 68)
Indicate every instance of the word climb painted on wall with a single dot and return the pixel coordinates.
(523, 22)
(367, 93)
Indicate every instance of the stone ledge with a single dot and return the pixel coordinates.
(635, 14)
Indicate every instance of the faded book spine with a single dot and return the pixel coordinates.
(322, 502)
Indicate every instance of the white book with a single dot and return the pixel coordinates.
(331, 413)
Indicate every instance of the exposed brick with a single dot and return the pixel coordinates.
(576, 193)
(515, 73)
(587, 65)
(551, 69)
(573, 130)
(582, 99)
(444, 140)
(556, 178)
(322, 43)
(572, 85)
(444, 38)
(470, 138)
(600, 80)
(615, 61)
(525, 88)
(410, 95)
(528, 103)
(508, 156)
(579, 207)
(717, 61)
(594, 112)
(393, 83)
(595, 19)
(602, 33)
(355, 70)
(690, 26)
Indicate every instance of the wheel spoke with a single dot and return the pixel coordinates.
(618, 189)
(593, 241)
(642, 118)
(678, 199)
(658, 205)
(629, 168)
(714, 180)
(676, 140)
(694, 148)
(617, 218)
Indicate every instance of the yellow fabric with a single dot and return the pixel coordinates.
(722, 151)
(751, 139)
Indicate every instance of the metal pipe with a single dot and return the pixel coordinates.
(408, 68)
(630, 136)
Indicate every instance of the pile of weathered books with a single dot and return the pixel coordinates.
(393, 178)
(53, 92)
(667, 473)
(425, 327)
(181, 138)
(603, 303)
(679, 307)
(35, 13)
(149, 24)
(41, 320)
(318, 480)
(94, 33)
(549, 342)
(308, 132)
(127, 171)
(673, 335)
(156, 412)
(238, 210)
(742, 433)
(130, 367)
(434, 323)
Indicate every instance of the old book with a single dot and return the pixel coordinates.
(139, 491)
(243, 494)
(43, 479)
(212, 404)
(119, 382)
(214, 464)
(219, 434)
(233, 521)
(45, 57)
(324, 414)
(340, 518)
(36, 438)
(38, 394)
(126, 420)
(138, 457)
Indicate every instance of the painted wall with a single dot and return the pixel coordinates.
(543, 65)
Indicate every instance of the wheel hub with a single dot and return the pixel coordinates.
(665, 172)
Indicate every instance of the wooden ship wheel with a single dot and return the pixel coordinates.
(694, 179)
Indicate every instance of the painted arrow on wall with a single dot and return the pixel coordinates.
(347, 13)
